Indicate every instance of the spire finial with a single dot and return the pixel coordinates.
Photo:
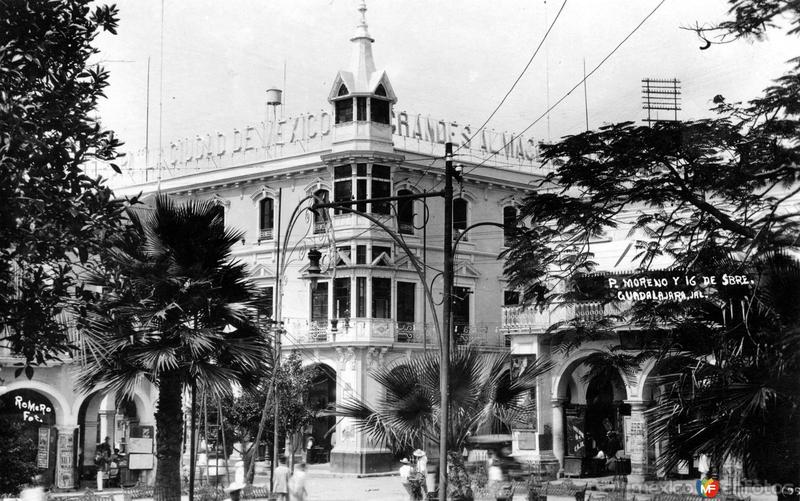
(361, 29)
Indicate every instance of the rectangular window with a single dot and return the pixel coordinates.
(381, 298)
(341, 297)
(361, 296)
(266, 302)
(381, 189)
(361, 170)
(342, 192)
(461, 305)
(405, 301)
(461, 331)
(342, 171)
(319, 302)
(510, 298)
(382, 171)
(379, 109)
(344, 111)
(343, 256)
(361, 194)
(361, 107)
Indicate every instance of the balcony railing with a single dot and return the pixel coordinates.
(405, 228)
(385, 330)
(266, 234)
(319, 227)
(535, 319)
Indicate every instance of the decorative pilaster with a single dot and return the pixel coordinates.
(65, 458)
(637, 438)
(559, 448)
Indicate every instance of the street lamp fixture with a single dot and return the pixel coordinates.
(313, 271)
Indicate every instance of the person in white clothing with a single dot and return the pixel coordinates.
(422, 467)
(405, 472)
(297, 484)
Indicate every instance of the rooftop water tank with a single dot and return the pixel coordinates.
(274, 97)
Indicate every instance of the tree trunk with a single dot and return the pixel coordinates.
(169, 428)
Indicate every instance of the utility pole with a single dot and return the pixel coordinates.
(276, 365)
(447, 277)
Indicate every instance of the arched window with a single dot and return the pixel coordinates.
(380, 91)
(343, 90)
(509, 223)
(405, 214)
(266, 219)
(460, 207)
(319, 216)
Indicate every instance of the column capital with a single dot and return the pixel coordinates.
(66, 428)
(558, 402)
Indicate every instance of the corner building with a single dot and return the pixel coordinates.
(368, 306)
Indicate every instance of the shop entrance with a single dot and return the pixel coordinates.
(322, 396)
(28, 420)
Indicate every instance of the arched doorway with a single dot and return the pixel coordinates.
(322, 398)
(100, 416)
(28, 422)
(593, 416)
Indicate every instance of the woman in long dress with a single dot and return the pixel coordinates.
(297, 484)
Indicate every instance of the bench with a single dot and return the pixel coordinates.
(252, 492)
(566, 491)
(89, 495)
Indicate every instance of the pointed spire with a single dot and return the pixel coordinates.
(362, 64)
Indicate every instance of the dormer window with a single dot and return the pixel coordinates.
(343, 91)
(361, 109)
(344, 110)
(380, 91)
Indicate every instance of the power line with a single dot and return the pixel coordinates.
(608, 56)
(508, 93)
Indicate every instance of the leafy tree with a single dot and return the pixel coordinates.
(292, 382)
(171, 295)
(54, 214)
(18, 460)
(712, 195)
(483, 399)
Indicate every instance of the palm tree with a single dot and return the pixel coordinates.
(483, 399)
(176, 311)
(740, 398)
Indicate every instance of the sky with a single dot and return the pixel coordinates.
(447, 59)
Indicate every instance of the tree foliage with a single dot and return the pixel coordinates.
(706, 196)
(292, 382)
(484, 398)
(54, 214)
(175, 310)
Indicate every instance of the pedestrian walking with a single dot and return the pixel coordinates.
(422, 467)
(405, 473)
(280, 483)
(234, 491)
(297, 484)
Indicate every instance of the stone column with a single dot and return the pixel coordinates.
(638, 441)
(559, 447)
(65, 458)
(107, 424)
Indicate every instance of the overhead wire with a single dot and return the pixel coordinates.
(505, 97)
(580, 82)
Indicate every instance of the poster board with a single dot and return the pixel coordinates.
(140, 445)
(140, 461)
(66, 451)
(43, 451)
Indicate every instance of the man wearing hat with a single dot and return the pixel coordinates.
(422, 467)
(234, 490)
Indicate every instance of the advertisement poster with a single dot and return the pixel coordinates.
(64, 472)
(43, 452)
